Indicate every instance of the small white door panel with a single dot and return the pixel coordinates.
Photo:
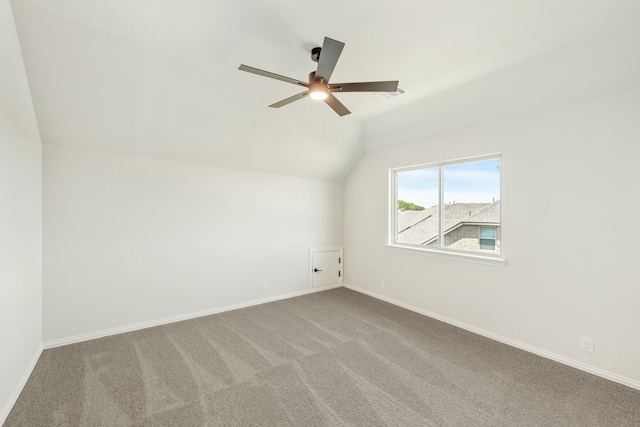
(326, 267)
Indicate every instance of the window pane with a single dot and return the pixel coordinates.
(488, 232)
(417, 206)
(472, 199)
(487, 244)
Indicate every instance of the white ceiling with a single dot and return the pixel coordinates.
(159, 78)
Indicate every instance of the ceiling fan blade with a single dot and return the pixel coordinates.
(289, 100)
(271, 75)
(337, 106)
(331, 50)
(389, 86)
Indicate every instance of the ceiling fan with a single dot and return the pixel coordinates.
(318, 86)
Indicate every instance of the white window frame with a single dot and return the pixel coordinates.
(484, 257)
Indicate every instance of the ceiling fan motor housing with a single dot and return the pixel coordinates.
(314, 79)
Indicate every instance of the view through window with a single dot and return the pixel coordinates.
(468, 191)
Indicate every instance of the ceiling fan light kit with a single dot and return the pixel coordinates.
(319, 87)
(318, 92)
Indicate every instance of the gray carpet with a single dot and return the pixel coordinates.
(334, 358)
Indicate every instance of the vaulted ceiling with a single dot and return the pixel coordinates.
(159, 78)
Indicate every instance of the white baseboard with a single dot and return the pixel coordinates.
(187, 316)
(23, 381)
(531, 349)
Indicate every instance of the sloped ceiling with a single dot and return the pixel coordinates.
(159, 78)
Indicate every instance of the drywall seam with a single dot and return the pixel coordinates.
(178, 318)
(23, 381)
(526, 347)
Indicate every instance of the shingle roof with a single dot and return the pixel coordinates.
(420, 227)
(487, 214)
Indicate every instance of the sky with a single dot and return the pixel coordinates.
(476, 182)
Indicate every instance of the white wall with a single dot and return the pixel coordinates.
(20, 220)
(130, 240)
(570, 204)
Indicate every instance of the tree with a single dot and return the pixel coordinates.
(407, 206)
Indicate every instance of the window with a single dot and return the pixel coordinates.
(448, 207)
(487, 238)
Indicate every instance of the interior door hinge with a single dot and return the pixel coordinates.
(339, 273)
(339, 260)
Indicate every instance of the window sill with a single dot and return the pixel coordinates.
(464, 256)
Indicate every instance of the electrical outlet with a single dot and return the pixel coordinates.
(586, 344)
(382, 284)
(265, 286)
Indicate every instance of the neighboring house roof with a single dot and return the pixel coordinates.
(421, 227)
